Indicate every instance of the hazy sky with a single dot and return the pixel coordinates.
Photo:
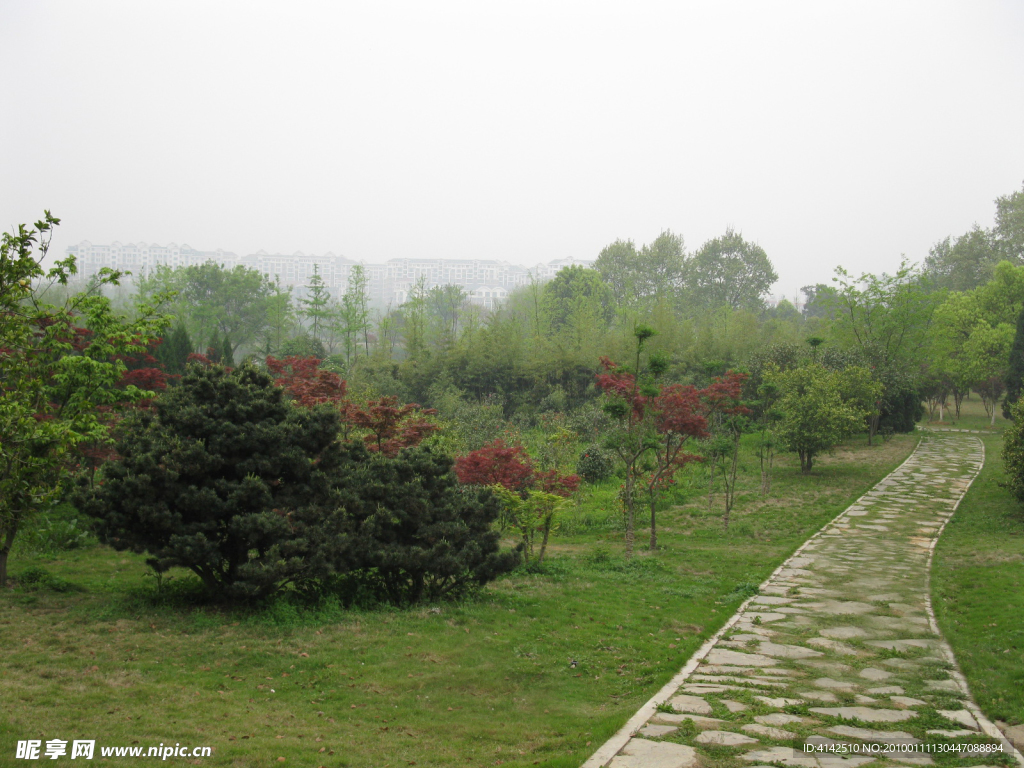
(830, 133)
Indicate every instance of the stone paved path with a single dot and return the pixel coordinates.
(839, 649)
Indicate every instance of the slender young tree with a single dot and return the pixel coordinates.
(316, 306)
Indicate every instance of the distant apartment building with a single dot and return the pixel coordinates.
(487, 282)
(139, 258)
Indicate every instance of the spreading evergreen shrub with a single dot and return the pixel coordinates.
(414, 532)
(230, 480)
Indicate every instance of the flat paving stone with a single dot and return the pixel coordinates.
(835, 685)
(780, 718)
(725, 656)
(870, 734)
(641, 753)
(961, 716)
(693, 704)
(835, 646)
(954, 734)
(777, 734)
(724, 738)
(844, 633)
(866, 714)
(782, 755)
(656, 731)
(672, 718)
(826, 696)
(779, 702)
(787, 651)
(875, 675)
(843, 607)
(907, 701)
(734, 706)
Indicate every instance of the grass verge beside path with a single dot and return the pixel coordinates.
(484, 682)
(978, 590)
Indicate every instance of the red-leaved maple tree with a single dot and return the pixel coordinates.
(722, 402)
(389, 427)
(512, 468)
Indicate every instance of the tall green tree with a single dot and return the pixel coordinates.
(446, 304)
(729, 271)
(415, 315)
(175, 348)
(576, 290)
(281, 320)
(235, 301)
(639, 276)
(316, 306)
(61, 367)
(814, 416)
(354, 313)
(963, 263)
(1009, 229)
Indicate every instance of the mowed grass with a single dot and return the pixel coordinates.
(972, 416)
(487, 681)
(978, 589)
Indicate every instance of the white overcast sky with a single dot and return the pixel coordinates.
(828, 132)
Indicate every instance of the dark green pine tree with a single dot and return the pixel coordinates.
(225, 478)
(251, 493)
(175, 349)
(215, 349)
(1015, 373)
(227, 357)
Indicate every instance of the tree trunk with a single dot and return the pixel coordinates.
(5, 550)
(711, 484)
(544, 541)
(654, 531)
(806, 459)
(630, 517)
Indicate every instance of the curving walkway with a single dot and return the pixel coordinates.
(838, 653)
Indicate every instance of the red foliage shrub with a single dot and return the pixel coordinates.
(392, 427)
(303, 379)
(511, 468)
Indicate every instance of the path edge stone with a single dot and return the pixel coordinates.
(607, 751)
(987, 726)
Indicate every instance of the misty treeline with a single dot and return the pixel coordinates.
(537, 352)
(932, 332)
(610, 369)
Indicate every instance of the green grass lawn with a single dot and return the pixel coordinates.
(978, 589)
(486, 681)
(972, 416)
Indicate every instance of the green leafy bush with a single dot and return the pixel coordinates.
(1013, 451)
(37, 578)
(50, 534)
(595, 464)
